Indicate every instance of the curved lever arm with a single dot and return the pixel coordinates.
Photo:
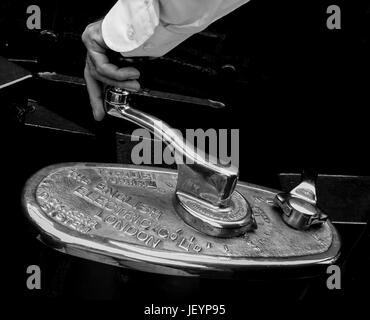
(204, 180)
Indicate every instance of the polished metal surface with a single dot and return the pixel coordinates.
(196, 221)
(204, 188)
(126, 216)
(299, 206)
(147, 93)
(153, 94)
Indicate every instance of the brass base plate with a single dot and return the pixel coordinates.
(125, 216)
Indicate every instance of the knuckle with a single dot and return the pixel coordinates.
(94, 74)
(99, 69)
(85, 34)
(88, 33)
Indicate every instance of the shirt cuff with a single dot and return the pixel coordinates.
(129, 24)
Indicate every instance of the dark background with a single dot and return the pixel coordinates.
(298, 92)
(295, 82)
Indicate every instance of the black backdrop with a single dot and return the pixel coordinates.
(299, 94)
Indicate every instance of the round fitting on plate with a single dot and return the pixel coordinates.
(232, 221)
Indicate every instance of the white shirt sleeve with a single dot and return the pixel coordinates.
(154, 27)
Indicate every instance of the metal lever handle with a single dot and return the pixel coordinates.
(202, 184)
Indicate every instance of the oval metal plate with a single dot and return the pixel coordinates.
(125, 216)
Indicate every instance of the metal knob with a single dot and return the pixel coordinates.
(299, 206)
(205, 197)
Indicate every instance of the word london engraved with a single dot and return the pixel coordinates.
(126, 216)
(198, 220)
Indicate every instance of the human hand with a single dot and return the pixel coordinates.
(99, 71)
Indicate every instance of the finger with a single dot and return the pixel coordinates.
(132, 85)
(129, 84)
(94, 90)
(109, 70)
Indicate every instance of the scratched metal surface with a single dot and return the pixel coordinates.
(125, 215)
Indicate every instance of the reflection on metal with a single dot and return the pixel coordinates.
(205, 188)
(179, 98)
(299, 206)
(198, 221)
(152, 94)
(331, 188)
(126, 216)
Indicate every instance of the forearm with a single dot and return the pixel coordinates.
(154, 27)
